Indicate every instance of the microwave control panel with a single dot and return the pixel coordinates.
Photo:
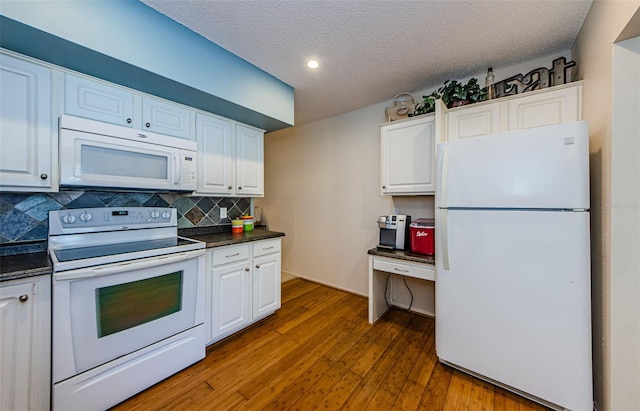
(189, 171)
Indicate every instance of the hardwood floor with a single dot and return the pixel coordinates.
(318, 352)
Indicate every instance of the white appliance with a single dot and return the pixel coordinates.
(95, 154)
(513, 276)
(127, 303)
(394, 231)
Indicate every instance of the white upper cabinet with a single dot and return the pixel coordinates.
(408, 157)
(560, 104)
(112, 104)
(249, 161)
(98, 101)
(474, 121)
(546, 108)
(165, 118)
(231, 158)
(216, 172)
(27, 136)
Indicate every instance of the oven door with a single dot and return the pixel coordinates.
(105, 312)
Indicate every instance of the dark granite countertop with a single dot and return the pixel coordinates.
(227, 238)
(13, 267)
(403, 255)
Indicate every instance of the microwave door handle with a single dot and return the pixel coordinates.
(176, 168)
(118, 268)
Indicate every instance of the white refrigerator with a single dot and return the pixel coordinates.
(513, 277)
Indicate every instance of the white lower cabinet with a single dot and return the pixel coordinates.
(266, 278)
(243, 286)
(25, 343)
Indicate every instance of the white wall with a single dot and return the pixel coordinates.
(625, 227)
(322, 188)
(616, 378)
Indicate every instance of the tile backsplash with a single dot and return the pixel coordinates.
(24, 216)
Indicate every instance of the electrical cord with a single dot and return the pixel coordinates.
(386, 293)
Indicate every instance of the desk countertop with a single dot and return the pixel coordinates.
(403, 255)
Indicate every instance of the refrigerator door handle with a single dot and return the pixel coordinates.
(444, 231)
(444, 178)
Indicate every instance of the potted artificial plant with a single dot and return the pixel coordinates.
(452, 94)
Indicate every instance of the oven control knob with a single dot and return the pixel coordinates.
(86, 217)
(155, 214)
(69, 219)
(166, 214)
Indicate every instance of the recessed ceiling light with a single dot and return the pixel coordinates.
(313, 64)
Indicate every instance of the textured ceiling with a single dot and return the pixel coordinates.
(369, 51)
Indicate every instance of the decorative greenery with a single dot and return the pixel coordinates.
(452, 94)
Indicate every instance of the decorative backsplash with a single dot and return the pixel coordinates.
(24, 217)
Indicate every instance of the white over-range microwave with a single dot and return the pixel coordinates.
(100, 155)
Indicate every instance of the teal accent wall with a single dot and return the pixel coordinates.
(129, 43)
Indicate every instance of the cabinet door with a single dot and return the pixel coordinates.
(216, 151)
(408, 157)
(230, 303)
(249, 162)
(16, 322)
(97, 101)
(545, 109)
(473, 121)
(165, 118)
(266, 285)
(25, 126)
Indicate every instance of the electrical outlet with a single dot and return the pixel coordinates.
(223, 212)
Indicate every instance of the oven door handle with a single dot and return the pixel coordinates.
(123, 267)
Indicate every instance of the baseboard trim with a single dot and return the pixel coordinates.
(315, 280)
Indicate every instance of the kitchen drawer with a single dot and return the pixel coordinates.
(266, 247)
(225, 255)
(417, 270)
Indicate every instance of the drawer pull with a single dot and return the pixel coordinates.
(267, 248)
(232, 255)
(399, 270)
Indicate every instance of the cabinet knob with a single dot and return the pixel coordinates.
(23, 298)
(257, 265)
(240, 188)
(229, 188)
(246, 269)
(128, 121)
(44, 176)
(148, 124)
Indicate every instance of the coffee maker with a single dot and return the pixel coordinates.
(394, 231)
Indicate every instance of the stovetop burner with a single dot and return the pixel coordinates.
(120, 248)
